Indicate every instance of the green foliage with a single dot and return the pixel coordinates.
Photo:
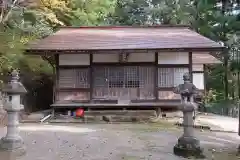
(215, 80)
(91, 13)
(75, 12)
(130, 12)
(18, 27)
(55, 12)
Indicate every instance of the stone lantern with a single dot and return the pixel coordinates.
(12, 142)
(187, 145)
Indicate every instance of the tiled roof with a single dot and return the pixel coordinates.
(114, 38)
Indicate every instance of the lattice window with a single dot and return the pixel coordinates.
(74, 78)
(114, 81)
(117, 77)
(131, 77)
(114, 77)
(170, 77)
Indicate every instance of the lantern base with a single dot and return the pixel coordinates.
(188, 147)
(12, 146)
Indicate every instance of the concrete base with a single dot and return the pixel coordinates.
(14, 147)
(188, 147)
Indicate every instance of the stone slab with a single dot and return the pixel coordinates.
(122, 112)
(174, 114)
(34, 117)
(101, 119)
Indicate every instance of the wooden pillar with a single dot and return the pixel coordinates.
(56, 80)
(190, 65)
(205, 78)
(91, 76)
(205, 85)
(156, 77)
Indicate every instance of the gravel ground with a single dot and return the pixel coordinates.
(115, 142)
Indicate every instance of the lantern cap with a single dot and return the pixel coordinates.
(14, 86)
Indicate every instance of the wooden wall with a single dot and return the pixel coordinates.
(170, 68)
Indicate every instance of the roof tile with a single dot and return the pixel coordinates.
(109, 38)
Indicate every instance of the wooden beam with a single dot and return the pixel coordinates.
(73, 89)
(123, 64)
(197, 71)
(173, 65)
(72, 66)
(54, 51)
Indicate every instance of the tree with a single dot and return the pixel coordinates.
(91, 13)
(18, 26)
(74, 12)
(130, 12)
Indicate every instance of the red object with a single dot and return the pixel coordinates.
(79, 112)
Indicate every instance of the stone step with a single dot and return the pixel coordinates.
(174, 114)
(109, 116)
(34, 117)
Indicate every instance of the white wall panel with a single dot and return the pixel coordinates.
(198, 80)
(173, 58)
(105, 58)
(74, 59)
(142, 57)
(133, 57)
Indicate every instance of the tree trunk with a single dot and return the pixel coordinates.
(225, 52)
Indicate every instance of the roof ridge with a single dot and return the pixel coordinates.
(124, 26)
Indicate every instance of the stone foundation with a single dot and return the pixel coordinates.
(109, 116)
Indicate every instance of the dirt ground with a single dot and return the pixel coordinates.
(116, 142)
